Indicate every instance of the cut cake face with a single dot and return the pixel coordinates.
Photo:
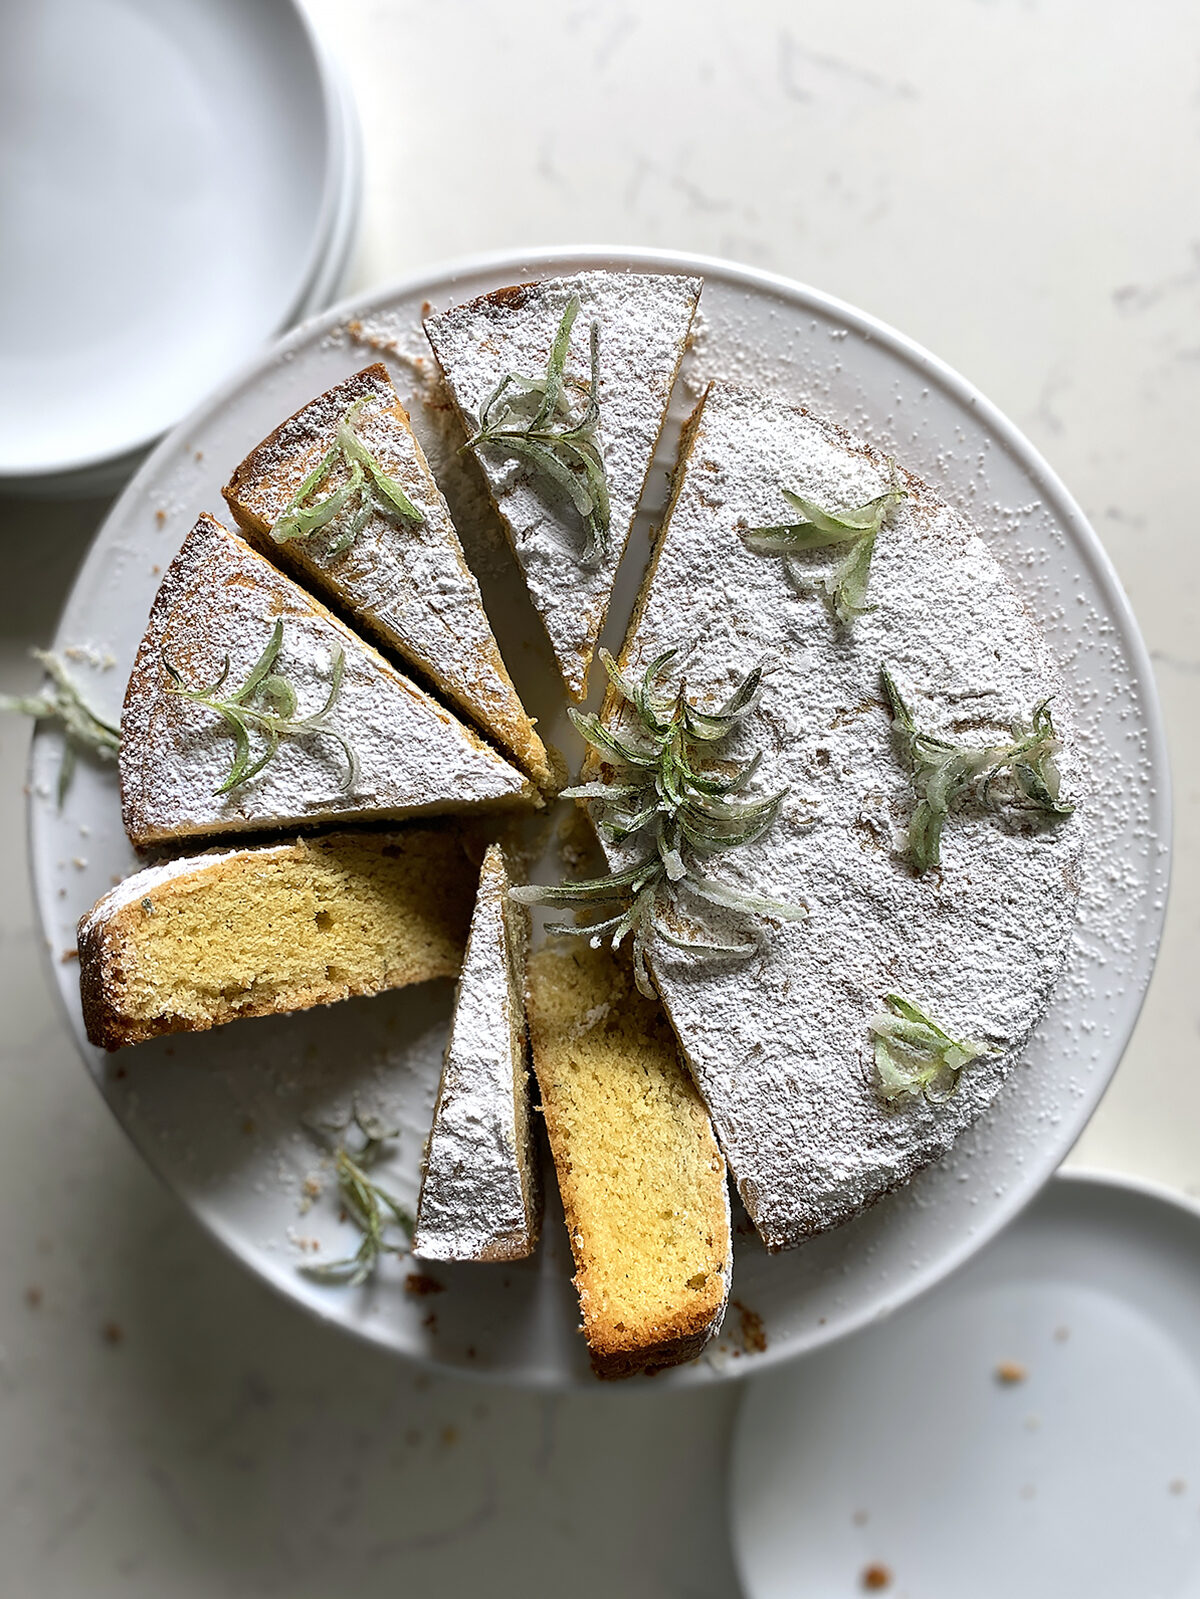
(779, 1038)
(642, 1181)
(345, 735)
(401, 574)
(206, 939)
(480, 1185)
(642, 323)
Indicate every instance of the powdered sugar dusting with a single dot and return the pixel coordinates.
(478, 1191)
(218, 597)
(644, 323)
(779, 1042)
(409, 585)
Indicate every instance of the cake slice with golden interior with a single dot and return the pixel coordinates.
(642, 1180)
(342, 495)
(251, 706)
(200, 941)
(563, 387)
(480, 1185)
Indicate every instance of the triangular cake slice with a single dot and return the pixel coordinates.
(394, 565)
(203, 940)
(344, 735)
(778, 1032)
(642, 1181)
(480, 1189)
(642, 323)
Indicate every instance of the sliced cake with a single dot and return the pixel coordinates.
(342, 495)
(642, 1180)
(251, 706)
(791, 544)
(202, 940)
(563, 388)
(480, 1189)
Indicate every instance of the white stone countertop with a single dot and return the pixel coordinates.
(1011, 182)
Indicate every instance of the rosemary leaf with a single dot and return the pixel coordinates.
(60, 701)
(367, 491)
(533, 420)
(1019, 775)
(855, 529)
(686, 812)
(915, 1057)
(373, 1210)
(265, 705)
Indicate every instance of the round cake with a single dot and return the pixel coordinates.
(780, 1042)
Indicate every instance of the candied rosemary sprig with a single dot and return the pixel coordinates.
(369, 1206)
(690, 810)
(943, 771)
(367, 491)
(817, 529)
(265, 704)
(60, 701)
(532, 419)
(915, 1057)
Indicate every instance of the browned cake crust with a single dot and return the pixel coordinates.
(209, 938)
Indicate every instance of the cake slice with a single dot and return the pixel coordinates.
(313, 725)
(480, 1185)
(641, 1177)
(569, 555)
(392, 563)
(780, 1031)
(202, 940)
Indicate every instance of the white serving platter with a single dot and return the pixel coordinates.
(180, 185)
(222, 1116)
(1031, 1427)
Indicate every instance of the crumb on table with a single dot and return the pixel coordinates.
(754, 1334)
(876, 1577)
(418, 1283)
(1009, 1372)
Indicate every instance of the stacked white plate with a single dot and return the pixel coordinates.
(180, 182)
(1031, 1428)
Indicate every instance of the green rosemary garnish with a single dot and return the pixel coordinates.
(846, 585)
(532, 419)
(370, 1207)
(691, 811)
(367, 490)
(944, 772)
(273, 716)
(915, 1057)
(60, 701)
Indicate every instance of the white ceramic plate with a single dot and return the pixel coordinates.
(219, 1115)
(905, 1447)
(172, 179)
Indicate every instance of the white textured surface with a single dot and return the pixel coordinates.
(779, 1042)
(643, 323)
(219, 602)
(228, 1448)
(475, 1201)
